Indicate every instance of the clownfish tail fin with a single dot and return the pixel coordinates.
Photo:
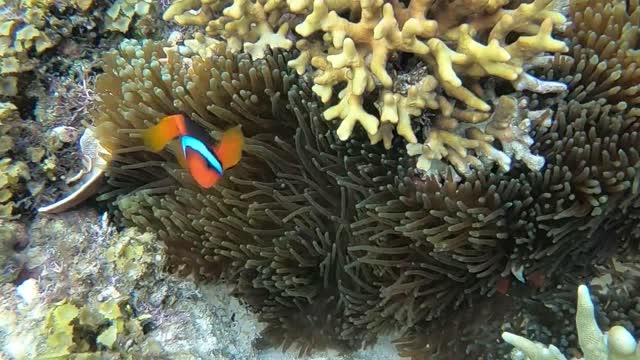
(229, 150)
(170, 127)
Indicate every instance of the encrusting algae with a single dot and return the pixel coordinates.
(11, 171)
(54, 315)
(29, 28)
(121, 13)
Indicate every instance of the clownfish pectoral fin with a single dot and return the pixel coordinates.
(229, 150)
(199, 169)
(170, 127)
(176, 149)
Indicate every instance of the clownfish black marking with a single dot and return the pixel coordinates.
(205, 163)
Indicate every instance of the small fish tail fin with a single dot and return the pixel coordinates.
(229, 150)
(170, 127)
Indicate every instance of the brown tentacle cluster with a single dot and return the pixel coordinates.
(334, 243)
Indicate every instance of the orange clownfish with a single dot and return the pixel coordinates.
(205, 163)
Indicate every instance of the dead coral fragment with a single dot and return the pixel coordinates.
(511, 124)
(95, 160)
(616, 344)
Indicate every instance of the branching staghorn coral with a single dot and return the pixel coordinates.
(546, 316)
(351, 48)
(509, 125)
(616, 344)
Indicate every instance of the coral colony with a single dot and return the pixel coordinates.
(441, 171)
(347, 45)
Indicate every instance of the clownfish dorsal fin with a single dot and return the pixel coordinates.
(229, 150)
(169, 128)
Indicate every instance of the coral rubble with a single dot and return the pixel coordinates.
(12, 171)
(91, 291)
(353, 48)
(23, 167)
(48, 53)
